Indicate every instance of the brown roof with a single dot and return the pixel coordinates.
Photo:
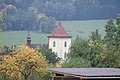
(88, 72)
(59, 32)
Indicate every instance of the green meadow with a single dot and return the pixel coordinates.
(82, 28)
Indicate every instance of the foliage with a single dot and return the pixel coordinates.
(1, 20)
(91, 50)
(7, 67)
(76, 63)
(41, 15)
(78, 48)
(1, 17)
(16, 18)
(50, 56)
(112, 59)
(113, 32)
(23, 63)
(110, 32)
(100, 52)
(94, 8)
(95, 36)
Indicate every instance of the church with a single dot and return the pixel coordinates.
(59, 41)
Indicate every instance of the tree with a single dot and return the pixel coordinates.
(112, 29)
(112, 38)
(93, 50)
(94, 8)
(78, 48)
(1, 20)
(25, 62)
(100, 52)
(7, 66)
(110, 32)
(117, 38)
(111, 60)
(76, 63)
(50, 56)
(95, 36)
(56, 8)
(1, 17)
(47, 25)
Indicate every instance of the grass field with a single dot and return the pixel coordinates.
(74, 28)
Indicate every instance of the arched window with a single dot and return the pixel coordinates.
(65, 44)
(53, 43)
(65, 55)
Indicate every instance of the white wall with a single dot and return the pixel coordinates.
(59, 47)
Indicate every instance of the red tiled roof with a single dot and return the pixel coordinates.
(59, 32)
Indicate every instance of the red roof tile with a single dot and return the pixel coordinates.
(59, 32)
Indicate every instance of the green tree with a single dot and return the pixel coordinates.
(1, 20)
(76, 63)
(112, 40)
(118, 20)
(50, 56)
(100, 52)
(117, 38)
(110, 32)
(93, 50)
(112, 58)
(1, 17)
(95, 36)
(78, 48)
(112, 29)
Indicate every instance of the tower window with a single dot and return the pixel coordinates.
(53, 43)
(65, 55)
(65, 44)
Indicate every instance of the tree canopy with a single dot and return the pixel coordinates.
(23, 63)
(97, 51)
(41, 15)
(51, 57)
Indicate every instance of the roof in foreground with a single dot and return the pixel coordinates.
(88, 72)
(60, 32)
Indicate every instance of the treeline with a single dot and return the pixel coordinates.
(97, 51)
(96, 9)
(41, 15)
(21, 15)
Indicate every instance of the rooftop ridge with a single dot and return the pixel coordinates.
(59, 31)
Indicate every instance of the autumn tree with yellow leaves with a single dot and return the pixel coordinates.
(7, 68)
(23, 63)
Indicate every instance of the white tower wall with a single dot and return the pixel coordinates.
(59, 46)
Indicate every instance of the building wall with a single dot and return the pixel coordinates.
(60, 48)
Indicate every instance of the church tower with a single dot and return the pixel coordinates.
(60, 42)
(28, 39)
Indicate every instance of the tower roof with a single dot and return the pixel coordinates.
(60, 32)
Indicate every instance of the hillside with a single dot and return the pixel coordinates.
(82, 28)
(41, 15)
